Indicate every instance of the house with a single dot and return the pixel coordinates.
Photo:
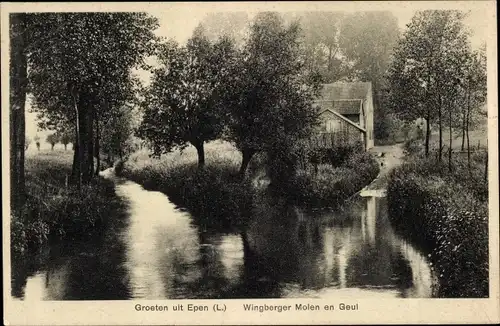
(346, 113)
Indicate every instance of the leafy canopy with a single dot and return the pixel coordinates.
(182, 103)
(91, 54)
(271, 91)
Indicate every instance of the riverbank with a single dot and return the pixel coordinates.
(54, 211)
(217, 195)
(446, 214)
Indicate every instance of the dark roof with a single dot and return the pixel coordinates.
(347, 106)
(344, 91)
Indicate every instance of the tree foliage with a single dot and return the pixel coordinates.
(66, 137)
(52, 139)
(367, 40)
(271, 91)
(320, 33)
(428, 67)
(80, 66)
(182, 104)
(27, 143)
(118, 132)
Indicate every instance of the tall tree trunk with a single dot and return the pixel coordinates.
(247, 155)
(90, 146)
(451, 141)
(199, 145)
(75, 170)
(78, 156)
(467, 129)
(18, 85)
(86, 139)
(52, 146)
(65, 146)
(486, 164)
(329, 59)
(427, 132)
(97, 147)
(463, 131)
(440, 121)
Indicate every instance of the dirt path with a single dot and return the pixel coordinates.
(388, 157)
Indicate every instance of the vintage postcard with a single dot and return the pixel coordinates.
(250, 163)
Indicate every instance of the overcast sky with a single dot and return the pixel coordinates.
(179, 20)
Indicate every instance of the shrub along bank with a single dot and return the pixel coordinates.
(446, 213)
(216, 195)
(330, 186)
(55, 211)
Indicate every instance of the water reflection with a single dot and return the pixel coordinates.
(159, 251)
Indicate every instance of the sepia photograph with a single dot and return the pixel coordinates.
(322, 153)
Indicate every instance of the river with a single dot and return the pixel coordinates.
(158, 251)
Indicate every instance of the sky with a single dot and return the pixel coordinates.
(178, 21)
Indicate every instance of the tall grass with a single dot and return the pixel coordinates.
(446, 213)
(215, 195)
(54, 210)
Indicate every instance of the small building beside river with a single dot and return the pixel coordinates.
(346, 112)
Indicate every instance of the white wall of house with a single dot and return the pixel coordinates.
(369, 120)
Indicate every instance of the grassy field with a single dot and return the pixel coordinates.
(55, 210)
(477, 138)
(215, 151)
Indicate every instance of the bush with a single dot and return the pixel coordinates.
(330, 186)
(334, 156)
(215, 194)
(412, 147)
(433, 208)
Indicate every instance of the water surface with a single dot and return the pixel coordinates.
(160, 251)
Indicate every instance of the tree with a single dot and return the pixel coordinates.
(117, 138)
(37, 142)
(320, 32)
(270, 93)
(83, 62)
(18, 87)
(27, 143)
(65, 138)
(367, 40)
(427, 68)
(182, 104)
(474, 90)
(52, 139)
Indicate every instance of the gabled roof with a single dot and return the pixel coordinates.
(345, 91)
(345, 119)
(347, 106)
